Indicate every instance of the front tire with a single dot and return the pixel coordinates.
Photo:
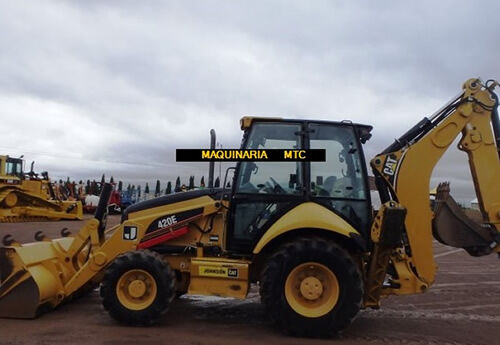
(311, 287)
(137, 288)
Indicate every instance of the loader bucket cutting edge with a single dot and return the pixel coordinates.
(22, 302)
(18, 291)
(27, 288)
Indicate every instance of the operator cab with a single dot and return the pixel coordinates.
(12, 167)
(264, 191)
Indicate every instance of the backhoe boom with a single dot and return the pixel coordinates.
(404, 169)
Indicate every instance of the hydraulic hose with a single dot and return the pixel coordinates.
(495, 121)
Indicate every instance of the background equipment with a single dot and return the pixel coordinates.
(28, 197)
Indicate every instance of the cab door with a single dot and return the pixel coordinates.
(340, 182)
(263, 191)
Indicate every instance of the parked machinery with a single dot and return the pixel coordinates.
(29, 197)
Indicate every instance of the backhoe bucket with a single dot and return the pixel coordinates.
(452, 227)
(32, 277)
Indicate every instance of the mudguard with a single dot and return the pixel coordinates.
(318, 217)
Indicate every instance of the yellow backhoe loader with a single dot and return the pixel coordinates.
(27, 197)
(305, 231)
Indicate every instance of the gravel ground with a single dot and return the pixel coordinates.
(462, 307)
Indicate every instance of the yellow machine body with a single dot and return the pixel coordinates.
(194, 231)
(219, 277)
(25, 197)
(50, 272)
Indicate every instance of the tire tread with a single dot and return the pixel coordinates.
(158, 268)
(273, 277)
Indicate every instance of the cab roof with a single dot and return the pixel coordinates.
(363, 130)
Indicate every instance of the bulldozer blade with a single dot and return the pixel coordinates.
(452, 227)
(31, 278)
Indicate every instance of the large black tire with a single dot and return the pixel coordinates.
(158, 269)
(326, 253)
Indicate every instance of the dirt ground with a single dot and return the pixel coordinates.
(462, 307)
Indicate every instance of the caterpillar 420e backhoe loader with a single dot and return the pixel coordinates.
(27, 197)
(304, 230)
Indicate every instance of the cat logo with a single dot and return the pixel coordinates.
(130, 233)
(390, 165)
(232, 272)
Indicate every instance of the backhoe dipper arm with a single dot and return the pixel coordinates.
(404, 169)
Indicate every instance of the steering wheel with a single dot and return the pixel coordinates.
(277, 187)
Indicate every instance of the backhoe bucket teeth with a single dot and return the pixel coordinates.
(452, 227)
(32, 278)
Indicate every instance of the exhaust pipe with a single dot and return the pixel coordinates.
(211, 166)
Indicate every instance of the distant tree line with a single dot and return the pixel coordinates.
(67, 189)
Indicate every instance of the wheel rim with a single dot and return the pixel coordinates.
(136, 289)
(312, 289)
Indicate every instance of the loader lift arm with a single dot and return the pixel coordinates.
(403, 170)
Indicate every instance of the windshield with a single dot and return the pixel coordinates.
(272, 177)
(13, 167)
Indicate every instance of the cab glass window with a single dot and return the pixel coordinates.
(13, 167)
(341, 175)
(271, 177)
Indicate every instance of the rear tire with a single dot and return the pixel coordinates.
(322, 310)
(137, 288)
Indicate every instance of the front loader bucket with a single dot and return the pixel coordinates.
(36, 277)
(32, 278)
(18, 290)
(452, 227)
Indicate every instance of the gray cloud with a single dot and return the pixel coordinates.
(91, 87)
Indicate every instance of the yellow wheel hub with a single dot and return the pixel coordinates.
(136, 289)
(312, 289)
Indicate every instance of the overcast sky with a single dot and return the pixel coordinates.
(113, 87)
